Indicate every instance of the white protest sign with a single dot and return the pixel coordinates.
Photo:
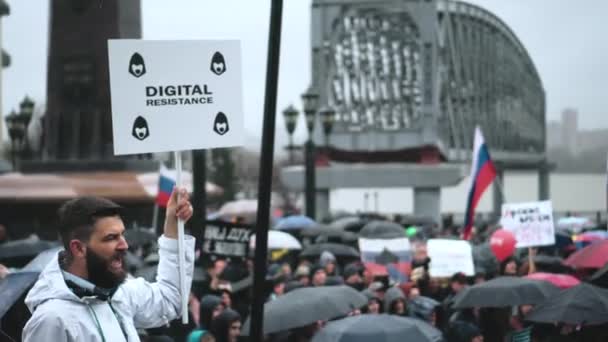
(175, 95)
(531, 223)
(374, 250)
(449, 257)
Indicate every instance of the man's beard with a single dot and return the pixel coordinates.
(99, 269)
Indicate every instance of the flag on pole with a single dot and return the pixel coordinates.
(483, 173)
(166, 182)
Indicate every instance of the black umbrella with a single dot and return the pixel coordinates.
(17, 253)
(336, 249)
(351, 224)
(42, 260)
(600, 278)
(551, 264)
(13, 286)
(582, 304)
(378, 328)
(149, 273)
(382, 230)
(505, 291)
(305, 306)
(328, 233)
(138, 237)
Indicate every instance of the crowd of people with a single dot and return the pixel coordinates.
(222, 287)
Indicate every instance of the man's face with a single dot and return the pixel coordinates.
(511, 268)
(279, 289)
(226, 300)
(399, 307)
(105, 253)
(217, 310)
(319, 278)
(235, 331)
(456, 286)
(354, 279)
(330, 268)
(219, 267)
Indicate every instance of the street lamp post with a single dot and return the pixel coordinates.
(13, 133)
(26, 111)
(328, 117)
(290, 115)
(310, 101)
(17, 124)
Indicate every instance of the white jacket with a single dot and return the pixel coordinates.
(59, 315)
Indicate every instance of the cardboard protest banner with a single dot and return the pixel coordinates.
(175, 95)
(392, 256)
(226, 239)
(531, 223)
(375, 250)
(449, 257)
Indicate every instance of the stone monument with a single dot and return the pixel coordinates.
(78, 124)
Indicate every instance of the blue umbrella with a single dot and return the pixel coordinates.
(295, 222)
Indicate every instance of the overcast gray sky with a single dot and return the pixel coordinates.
(565, 38)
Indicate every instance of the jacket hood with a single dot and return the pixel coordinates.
(221, 324)
(422, 307)
(50, 285)
(208, 304)
(391, 296)
(326, 258)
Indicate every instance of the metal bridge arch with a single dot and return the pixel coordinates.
(424, 72)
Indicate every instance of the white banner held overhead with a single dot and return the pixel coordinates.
(531, 223)
(175, 95)
(372, 249)
(449, 257)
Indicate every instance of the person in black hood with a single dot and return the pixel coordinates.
(461, 331)
(374, 304)
(352, 277)
(227, 326)
(394, 302)
(211, 307)
(425, 308)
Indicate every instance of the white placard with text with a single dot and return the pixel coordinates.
(175, 95)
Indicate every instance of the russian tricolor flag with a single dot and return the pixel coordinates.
(483, 173)
(166, 183)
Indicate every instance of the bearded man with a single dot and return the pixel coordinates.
(83, 294)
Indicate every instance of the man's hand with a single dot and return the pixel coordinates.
(181, 209)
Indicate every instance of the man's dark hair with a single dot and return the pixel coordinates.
(459, 278)
(78, 216)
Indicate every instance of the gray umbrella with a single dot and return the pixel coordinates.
(378, 328)
(336, 249)
(582, 304)
(17, 253)
(505, 291)
(350, 223)
(13, 286)
(139, 237)
(149, 273)
(382, 230)
(329, 233)
(304, 306)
